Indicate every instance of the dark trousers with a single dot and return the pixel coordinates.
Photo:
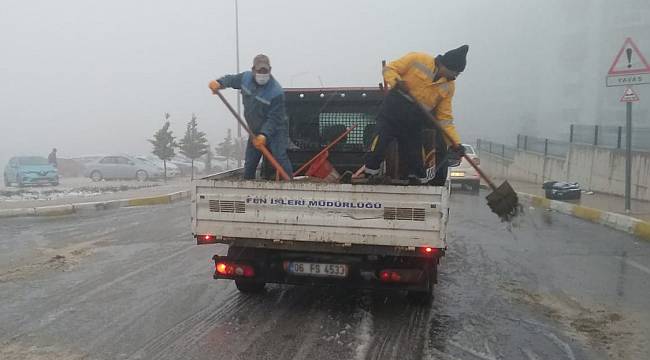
(398, 119)
(277, 145)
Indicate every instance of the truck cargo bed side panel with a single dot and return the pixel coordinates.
(320, 212)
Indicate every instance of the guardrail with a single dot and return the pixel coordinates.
(505, 151)
(612, 137)
(547, 147)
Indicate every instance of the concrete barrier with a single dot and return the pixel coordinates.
(17, 212)
(56, 210)
(594, 168)
(153, 200)
(78, 208)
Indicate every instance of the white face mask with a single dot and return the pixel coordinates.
(262, 79)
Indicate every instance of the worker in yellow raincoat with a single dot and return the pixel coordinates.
(431, 82)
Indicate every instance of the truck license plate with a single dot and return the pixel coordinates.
(317, 269)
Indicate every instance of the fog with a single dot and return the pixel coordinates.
(93, 77)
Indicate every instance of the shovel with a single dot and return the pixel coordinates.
(503, 199)
(267, 154)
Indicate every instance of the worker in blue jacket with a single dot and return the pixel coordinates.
(263, 99)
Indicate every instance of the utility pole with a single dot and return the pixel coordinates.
(237, 54)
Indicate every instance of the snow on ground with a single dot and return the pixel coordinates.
(52, 193)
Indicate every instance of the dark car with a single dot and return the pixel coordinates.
(559, 190)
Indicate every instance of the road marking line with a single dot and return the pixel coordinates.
(636, 265)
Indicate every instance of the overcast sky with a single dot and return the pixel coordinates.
(96, 76)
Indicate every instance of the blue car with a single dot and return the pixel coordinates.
(30, 170)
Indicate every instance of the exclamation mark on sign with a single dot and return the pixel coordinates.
(628, 51)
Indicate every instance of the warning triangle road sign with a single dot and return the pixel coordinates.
(629, 95)
(629, 60)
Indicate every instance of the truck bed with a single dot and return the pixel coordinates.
(232, 209)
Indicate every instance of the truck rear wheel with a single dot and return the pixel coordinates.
(246, 254)
(422, 297)
(425, 296)
(249, 287)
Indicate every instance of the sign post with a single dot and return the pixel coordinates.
(628, 97)
(630, 69)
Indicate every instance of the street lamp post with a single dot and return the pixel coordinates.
(237, 55)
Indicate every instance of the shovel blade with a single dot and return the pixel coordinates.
(504, 202)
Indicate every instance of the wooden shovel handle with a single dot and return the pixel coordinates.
(265, 152)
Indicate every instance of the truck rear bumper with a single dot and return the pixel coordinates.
(413, 273)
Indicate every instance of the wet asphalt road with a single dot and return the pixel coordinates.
(130, 284)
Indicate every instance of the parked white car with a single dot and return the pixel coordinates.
(185, 165)
(121, 167)
(172, 169)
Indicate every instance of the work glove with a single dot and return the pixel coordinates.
(401, 85)
(458, 149)
(455, 155)
(214, 86)
(259, 141)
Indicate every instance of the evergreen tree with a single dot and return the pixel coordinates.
(194, 144)
(163, 144)
(208, 160)
(239, 149)
(226, 148)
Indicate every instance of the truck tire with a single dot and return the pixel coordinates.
(249, 287)
(422, 297)
(96, 176)
(7, 182)
(141, 175)
(476, 188)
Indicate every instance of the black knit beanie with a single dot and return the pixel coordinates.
(454, 60)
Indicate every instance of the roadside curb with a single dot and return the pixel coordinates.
(615, 221)
(67, 209)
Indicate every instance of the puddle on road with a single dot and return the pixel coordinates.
(615, 333)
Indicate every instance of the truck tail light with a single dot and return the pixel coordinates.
(206, 239)
(389, 276)
(477, 161)
(401, 275)
(232, 269)
(430, 251)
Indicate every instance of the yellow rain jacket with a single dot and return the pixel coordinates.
(418, 71)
